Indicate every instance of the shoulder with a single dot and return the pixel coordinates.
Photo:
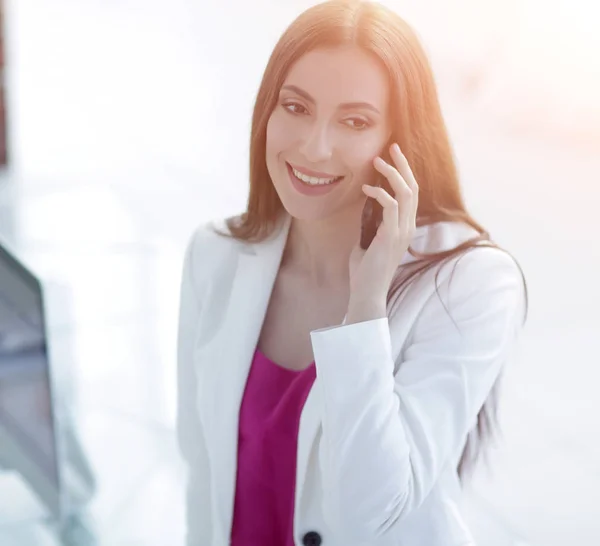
(485, 279)
(481, 277)
(480, 262)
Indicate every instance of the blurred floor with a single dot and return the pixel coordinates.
(123, 145)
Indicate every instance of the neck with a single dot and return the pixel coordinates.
(319, 251)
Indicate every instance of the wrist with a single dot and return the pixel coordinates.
(362, 310)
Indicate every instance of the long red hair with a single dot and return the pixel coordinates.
(417, 125)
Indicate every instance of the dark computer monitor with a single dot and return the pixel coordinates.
(29, 442)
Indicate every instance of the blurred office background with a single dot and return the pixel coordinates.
(125, 123)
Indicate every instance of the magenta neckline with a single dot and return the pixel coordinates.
(295, 372)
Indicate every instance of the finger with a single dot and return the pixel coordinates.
(408, 178)
(399, 186)
(403, 167)
(389, 204)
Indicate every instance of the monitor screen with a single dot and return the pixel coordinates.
(28, 440)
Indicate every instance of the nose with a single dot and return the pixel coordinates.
(316, 146)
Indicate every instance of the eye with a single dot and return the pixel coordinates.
(358, 123)
(290, 106)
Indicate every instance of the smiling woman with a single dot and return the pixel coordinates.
(311, 410)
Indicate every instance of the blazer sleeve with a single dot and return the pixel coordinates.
(189, 430)
(387, 438)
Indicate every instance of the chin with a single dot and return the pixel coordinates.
(306, 212)
(326, 210)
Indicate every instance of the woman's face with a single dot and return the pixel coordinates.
(331, 120)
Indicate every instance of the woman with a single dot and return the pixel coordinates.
(311, 411)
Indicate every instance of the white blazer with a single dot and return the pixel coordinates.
(384, 425)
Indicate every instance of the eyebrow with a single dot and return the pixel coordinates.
(343, 106)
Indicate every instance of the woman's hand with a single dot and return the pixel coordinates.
(372, 270)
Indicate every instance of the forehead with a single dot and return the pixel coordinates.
(337, 75)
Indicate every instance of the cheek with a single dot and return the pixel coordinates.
(360, 161)
(278, 133)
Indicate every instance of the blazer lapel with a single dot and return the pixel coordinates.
(224, 363)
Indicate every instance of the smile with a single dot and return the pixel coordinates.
(310, 185)
(313, 180)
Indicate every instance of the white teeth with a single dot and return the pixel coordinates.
(312, 180)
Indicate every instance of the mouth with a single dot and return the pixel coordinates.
(312, 181)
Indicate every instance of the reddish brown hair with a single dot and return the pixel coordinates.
(417, 125)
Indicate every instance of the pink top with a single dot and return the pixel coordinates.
(268, 431)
